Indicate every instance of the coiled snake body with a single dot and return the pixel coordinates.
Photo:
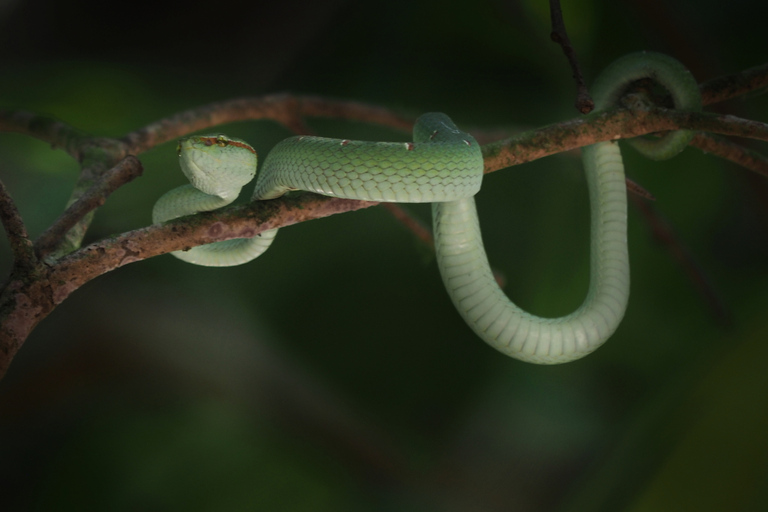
(444, 165)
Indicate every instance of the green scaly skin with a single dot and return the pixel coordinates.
(444, 166)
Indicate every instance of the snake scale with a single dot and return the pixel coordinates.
(444, 166)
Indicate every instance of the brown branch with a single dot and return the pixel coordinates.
(731, 151)
(58, 134)
(635, 188)
(243, 221)
(738, 84)
(21, 246)
(611, 125)
(125, 171)
(96, 155)
(584, 103)
(286, 109)
(24, 303)
(416, 227)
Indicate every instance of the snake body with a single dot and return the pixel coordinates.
(444, 165)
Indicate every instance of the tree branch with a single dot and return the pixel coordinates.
(732, 152)
(58, 134)
(414, 225)
(35, 289)
(23, 303)
(611, 125)
(99, 154)
(584, 103)
(21, 247)
(738, 84)
(286, 109)
(125, 171)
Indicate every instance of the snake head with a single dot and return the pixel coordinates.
(217, 164)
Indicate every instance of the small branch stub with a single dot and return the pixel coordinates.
(559, 35)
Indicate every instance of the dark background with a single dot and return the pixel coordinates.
(333, 373)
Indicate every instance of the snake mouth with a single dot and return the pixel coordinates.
(184, 144)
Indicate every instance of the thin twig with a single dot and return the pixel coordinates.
(313, 106)
(242, 221)
(417, 227)
(35, 299)
(128, 169)
(58, 134)
(21, 245)
(731, 151)
(638, 190)
(286, 109)
(584, 103)
(738, 84)
(665, 235)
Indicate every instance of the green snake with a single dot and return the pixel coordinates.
(444, 166)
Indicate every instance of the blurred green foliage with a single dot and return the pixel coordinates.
(333, 373)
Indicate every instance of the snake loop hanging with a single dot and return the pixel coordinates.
(444, 166)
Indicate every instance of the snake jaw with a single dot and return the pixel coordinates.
(216, 164)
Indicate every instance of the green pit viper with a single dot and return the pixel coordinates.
(444, 166)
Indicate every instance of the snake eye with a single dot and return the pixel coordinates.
(221, 141)
(178, 149)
